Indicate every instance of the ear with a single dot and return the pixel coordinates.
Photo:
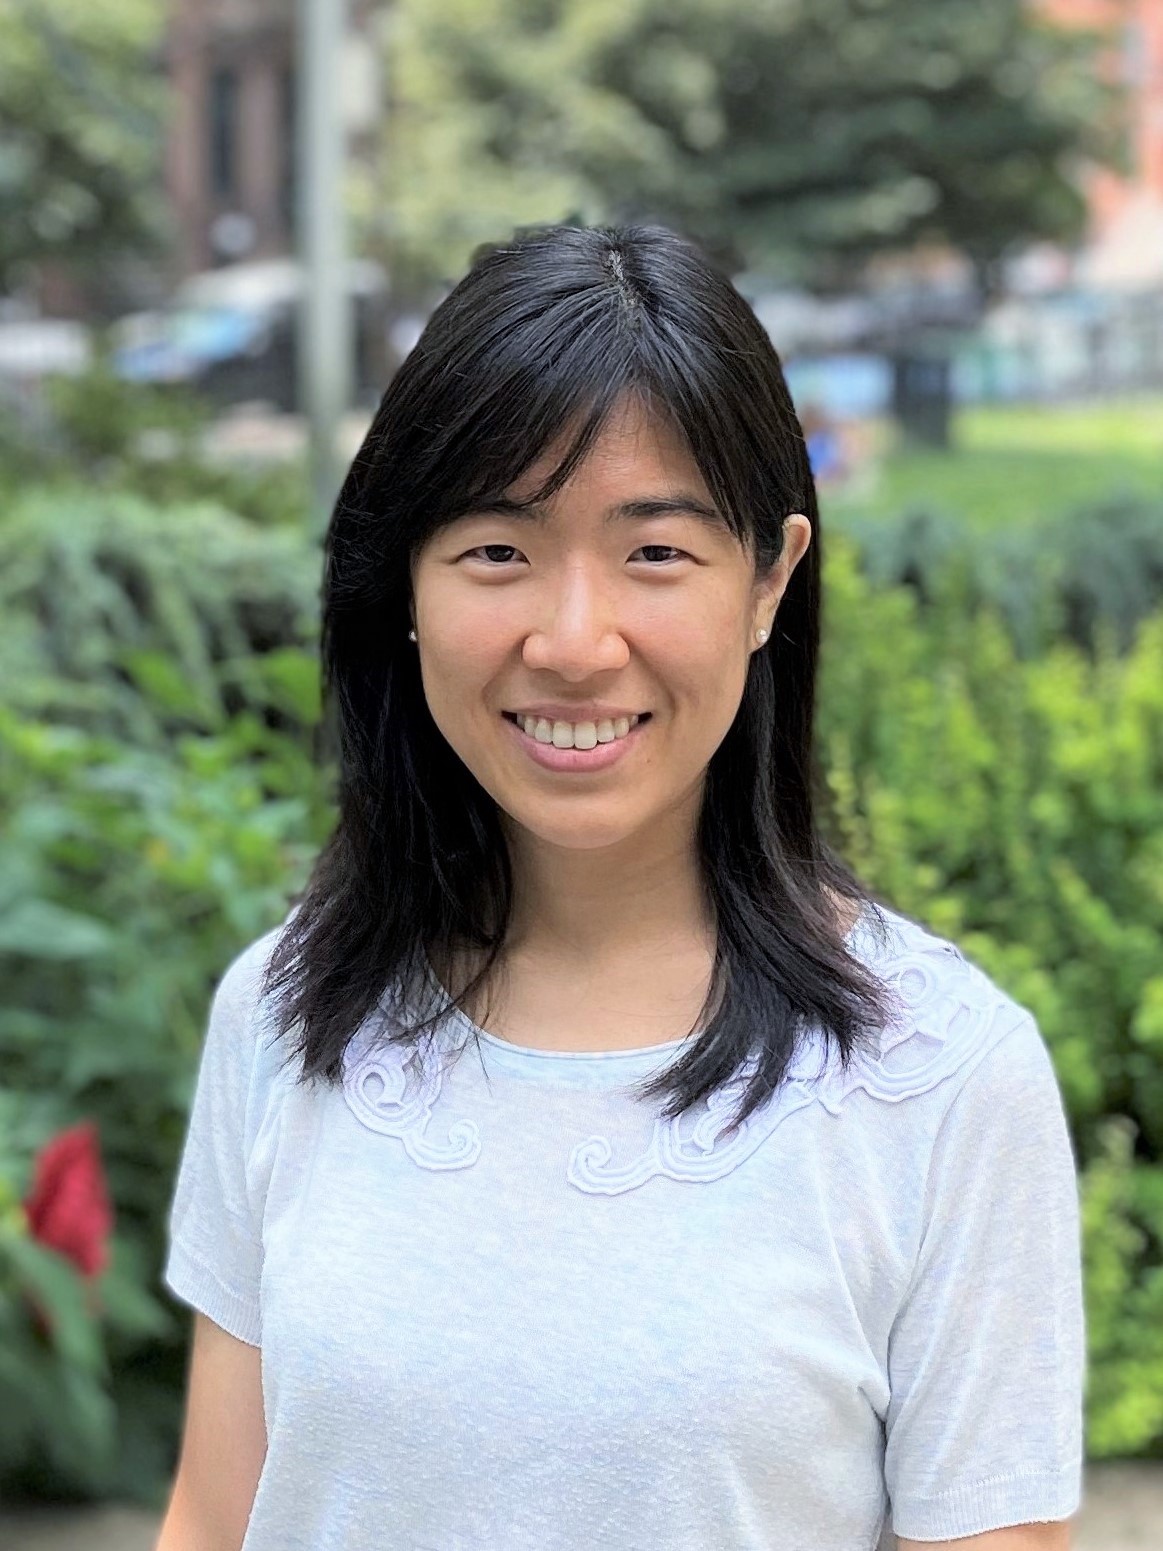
(771, 585)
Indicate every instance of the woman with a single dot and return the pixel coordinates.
(753, 1223)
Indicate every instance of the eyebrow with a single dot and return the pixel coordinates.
(681, 504)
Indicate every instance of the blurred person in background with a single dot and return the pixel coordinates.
(825, 453)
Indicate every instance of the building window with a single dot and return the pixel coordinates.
(223, 132)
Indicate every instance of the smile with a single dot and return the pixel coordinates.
(576, 746)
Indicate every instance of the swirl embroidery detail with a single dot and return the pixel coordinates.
(392, 1092)
(948, 1011)
(695, 1157)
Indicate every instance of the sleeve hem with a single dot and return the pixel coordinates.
(1028, 1497)
(196, 1285)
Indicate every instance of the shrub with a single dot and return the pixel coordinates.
(1094, 567)
(160, 795)
(96, 430)
(122, 617)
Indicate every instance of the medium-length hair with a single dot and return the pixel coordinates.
(535, 346)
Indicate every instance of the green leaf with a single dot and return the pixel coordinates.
(58, 1286)
(167, 688)
(39, 929)
(127, 1306)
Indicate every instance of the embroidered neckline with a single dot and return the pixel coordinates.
(392, 1091)
(948, 1012)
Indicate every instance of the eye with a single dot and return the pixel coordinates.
(487, 550)
(666, 557)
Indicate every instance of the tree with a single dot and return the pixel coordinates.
(794, 137)
(81, 118)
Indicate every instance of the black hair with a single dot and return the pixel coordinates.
(545, 333)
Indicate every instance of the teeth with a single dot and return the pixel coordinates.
(576, 735)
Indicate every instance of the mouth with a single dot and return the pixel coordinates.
(603, 743)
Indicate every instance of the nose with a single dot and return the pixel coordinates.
(577, 634)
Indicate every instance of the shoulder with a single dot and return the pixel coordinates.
(949, 1017)
(240, 982)
(241, 1025)
(240, 985)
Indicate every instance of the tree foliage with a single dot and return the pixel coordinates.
(794, 136)
(81, 113)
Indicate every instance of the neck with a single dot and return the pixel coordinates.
(594, 905)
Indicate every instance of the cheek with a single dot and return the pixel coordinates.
(450, 676)
(716, 660)
(463, 623)
(697, 652)
(457, 666)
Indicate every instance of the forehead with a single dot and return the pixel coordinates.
(634, 447)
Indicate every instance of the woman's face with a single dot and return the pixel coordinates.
(575, 621)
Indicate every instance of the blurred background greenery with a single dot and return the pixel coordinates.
(950, 219)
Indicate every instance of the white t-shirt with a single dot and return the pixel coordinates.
(503, 1307)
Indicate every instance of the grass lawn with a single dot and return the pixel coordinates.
(1012, 463)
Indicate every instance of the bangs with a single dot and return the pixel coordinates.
(589, 415)
(517, 397)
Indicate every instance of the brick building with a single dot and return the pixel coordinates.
(230, 155)
(1125, 241)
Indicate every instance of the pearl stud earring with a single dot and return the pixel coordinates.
(411, 635)
(761, 636)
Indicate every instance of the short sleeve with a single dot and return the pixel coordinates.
(214, 1262)
(987, 1353)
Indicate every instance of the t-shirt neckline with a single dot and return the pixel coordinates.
(630, 1062)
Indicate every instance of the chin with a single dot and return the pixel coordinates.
(574, 832)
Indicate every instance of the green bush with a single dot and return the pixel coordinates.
(141, 621)
(131, 876)
(162, 793)
(1122, 1226)
(1093, 567)
(96, 430)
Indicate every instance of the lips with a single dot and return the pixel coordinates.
(574, 760)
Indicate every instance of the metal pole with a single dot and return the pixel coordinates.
(325, 322)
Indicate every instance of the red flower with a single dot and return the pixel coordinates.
(68, 1208)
